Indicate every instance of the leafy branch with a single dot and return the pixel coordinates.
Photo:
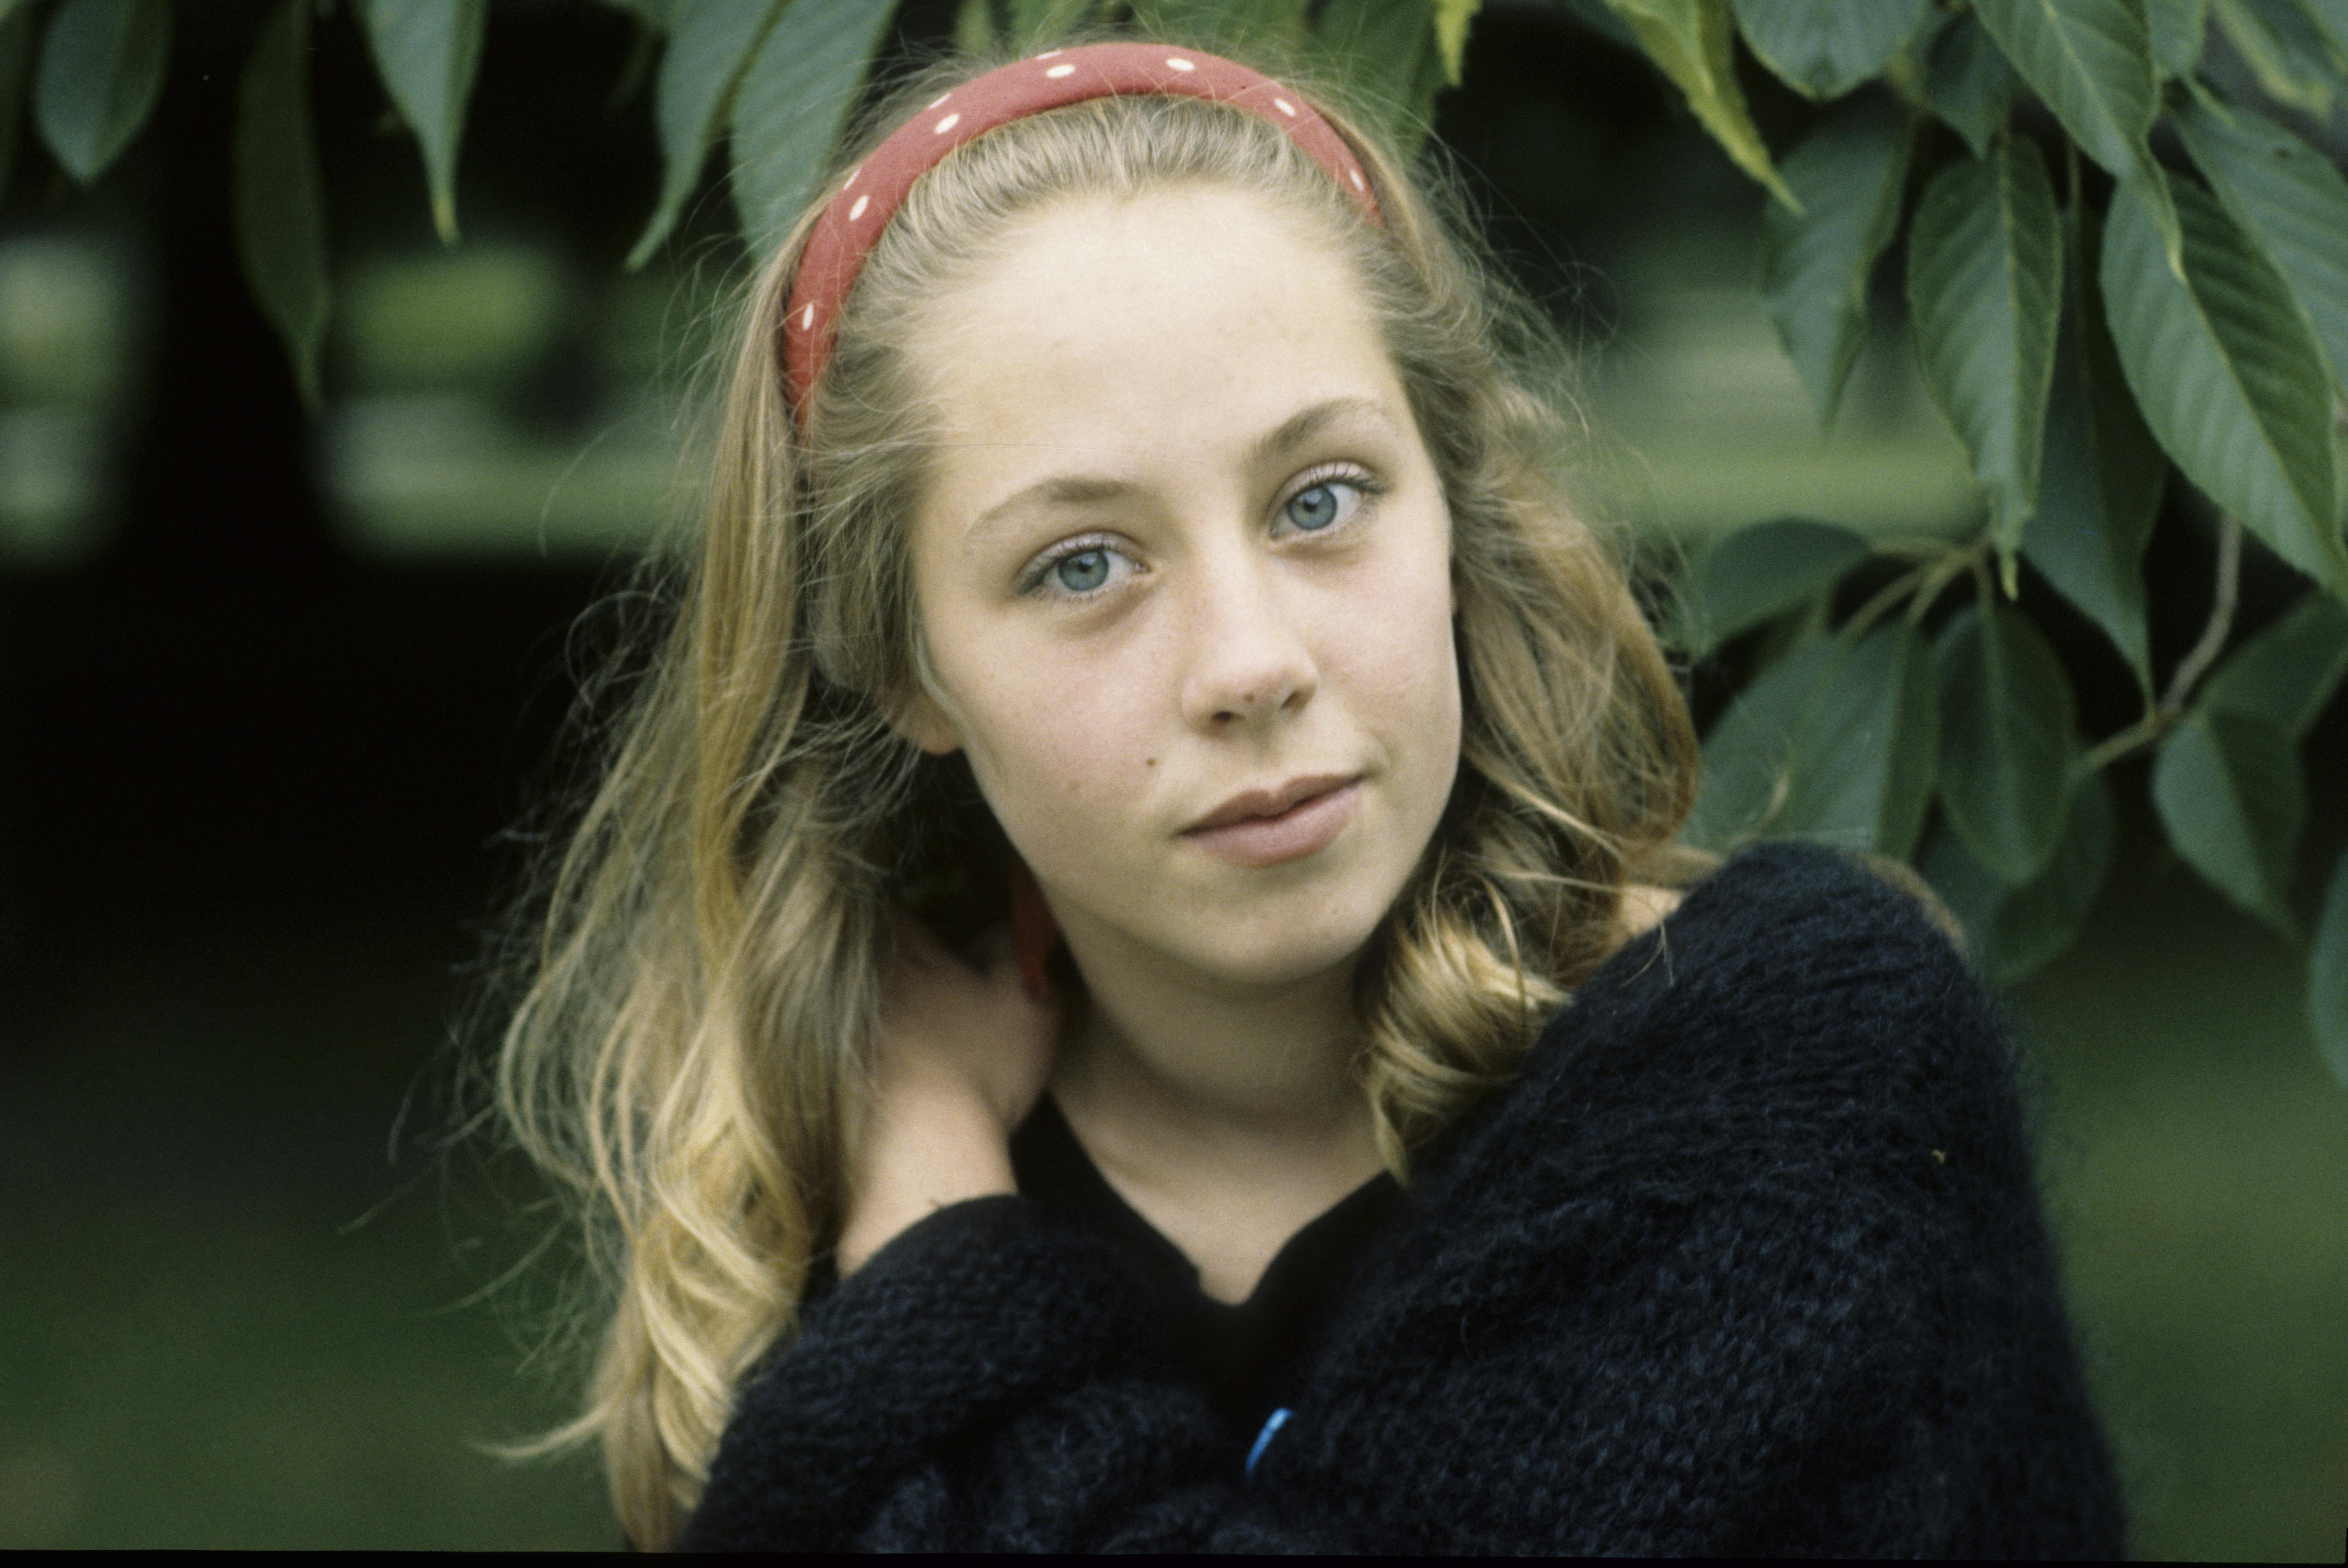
(2162, 716)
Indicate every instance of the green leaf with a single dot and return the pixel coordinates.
(2177, 27)
(1822, 51)
(2007, 718)
(1758, 573)
(2285, 674)
(710, 44)
(1033, 23)
(2041, 919)
(1863, 759)
(101, 69)
(2291, 200)
(1693, 43)
(1848, 174)
(1240, 24)
(280, 209)
(2226, 374)
(427, 51)
(1969, 83)
(2016, 931)
(16, 65)
(1833, 743)
(1973, 892)
(2327, 979)
(2229, 792)
(1747, 755)
(1594, 16)
(1451, 21)
(974, 28)
(1984, 286)
(1383, 49)
(653, 13)
(2090, 60)
(2285, 51)
(2099, 483)
(794, 100)
(2331, 19)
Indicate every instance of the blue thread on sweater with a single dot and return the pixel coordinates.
(1263, 1439)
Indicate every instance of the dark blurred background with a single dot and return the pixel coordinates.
(275, 689)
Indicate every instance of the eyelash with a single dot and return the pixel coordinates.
(1350, 474)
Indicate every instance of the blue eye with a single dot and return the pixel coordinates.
(1320, 507)
(1314, 509)
(1082, 571)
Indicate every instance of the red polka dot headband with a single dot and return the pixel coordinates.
(871, 194)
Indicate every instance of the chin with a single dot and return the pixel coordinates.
(1273, 946)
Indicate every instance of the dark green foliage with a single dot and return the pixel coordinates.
(101, 68)
(426, 52)
(281, 230)
(1969, 83)
(1848, 175)
(1824, 51)
(2100, 478)
(2007, 720)
(1761, 572)
(2227, 377)
(2015, 930)
(1984, 283)
(2230, 793)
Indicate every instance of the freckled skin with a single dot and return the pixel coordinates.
(1155, 342)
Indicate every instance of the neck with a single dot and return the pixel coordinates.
(1171, 1080)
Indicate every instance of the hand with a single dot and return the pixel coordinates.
(963, 1054)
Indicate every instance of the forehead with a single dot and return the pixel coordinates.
(1182, 319)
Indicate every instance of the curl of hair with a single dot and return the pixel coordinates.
(689, 1055)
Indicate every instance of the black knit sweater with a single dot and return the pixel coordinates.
(1747, 1260)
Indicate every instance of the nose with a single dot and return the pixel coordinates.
(1248, 661)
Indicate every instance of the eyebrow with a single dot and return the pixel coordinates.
(1087, 490)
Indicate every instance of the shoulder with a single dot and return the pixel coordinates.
(1793, 1079)
(1777, 925)
(1755, 1225)
(1793, 921)
(1648, 902)
(1798, 1010)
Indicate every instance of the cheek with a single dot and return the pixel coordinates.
(1400, 660)
(1056, 758)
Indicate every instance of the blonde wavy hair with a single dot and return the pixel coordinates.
(688, 1057)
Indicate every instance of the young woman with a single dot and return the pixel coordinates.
(1114, 992)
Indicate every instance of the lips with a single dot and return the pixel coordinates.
(1266, 827)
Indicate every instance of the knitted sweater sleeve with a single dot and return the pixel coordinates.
(988, 1381)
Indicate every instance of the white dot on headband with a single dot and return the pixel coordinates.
(1285, 107)
(857, 210)
(1058, 71)
(1179, 64)
(945, 125)
(1356, 175)
(937, 100)
(807, 318)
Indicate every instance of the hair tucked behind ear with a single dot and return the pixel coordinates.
(689, 1057)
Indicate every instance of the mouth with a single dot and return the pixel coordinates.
(1267, 827)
